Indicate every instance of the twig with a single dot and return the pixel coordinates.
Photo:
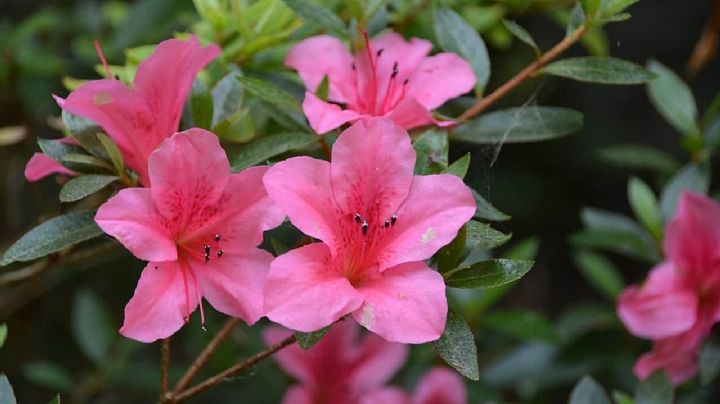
(233, 371)
(202, 359)
(483, 103)
(164, 366)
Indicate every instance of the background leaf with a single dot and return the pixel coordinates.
(600, 273)
(7, 396)
(457, 347)
(455, 35)
(656, 389)
(603, 70)
(645, 205)
(318, 15)
(673, 99)
(306, 340)
(587, 391)
(691, 177)
(91, 326)
(263, 148)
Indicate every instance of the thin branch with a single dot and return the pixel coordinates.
(202, 359)
(164, 366)
(483, 103)
(233, 371)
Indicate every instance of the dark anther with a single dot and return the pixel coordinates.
(220, 253)
(358, 218)
(393, 219)
(207, 253)
(395, 70)
(156, 267)
(387, 223)
(380, 51)
(405, 81)
(364, 227)
(217, 237)
(352, 65)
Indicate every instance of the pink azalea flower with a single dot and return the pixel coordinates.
(377, 223)
(391, 78)
(440, 385)
(138, 118)
(341, 368)
(199, 226)
(680, 301)
(41, 165)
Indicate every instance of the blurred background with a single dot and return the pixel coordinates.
(52, 348)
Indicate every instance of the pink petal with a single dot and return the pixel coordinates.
(164, 297)
(677, 356)
(302, 294)
(164, 79)
(386, 395)
(409, 113)
(440, 385)
(298, 395)
(233, 283)
(371, 170)
(437, 207)
(378, 361)
(301, 187)
(293, 360)
(440, 78)
(41, 165)
(132, 218)
(324, 116)
(243, 213)
(692, 237)
(404, 304)
(189, 173)
(662, 307)
(320, 56)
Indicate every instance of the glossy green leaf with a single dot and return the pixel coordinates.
(226, 97)
(201, 105)
(7, 396)
(49, 375)
(460, 167)
(596, 69)
(3, 334)
(523, 325)
(306, 340)
(91, 326)
(487, 274)
(521, 33)
(645, 206)
(457, 36)
(673, 99)
(588, 391)
(263, 148)
(52, 236)
(79, 187)
(656, 389)
(709, 362)
(691, 177)
(457, 347)
(521, 124)
(431, 149)
(448, 256)
(318, 15)
(483, 236)
(639, 157)
(600, 273)
(484, 210)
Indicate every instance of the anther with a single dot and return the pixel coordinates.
(220, 253)
(380, 51)
(352, 65)
(207, 253)
(364, 227)
(387, 223)
(358, 218)
(217, 237)
(393, 219)
(406, 81)
(394, 71)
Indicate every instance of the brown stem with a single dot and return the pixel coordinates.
(483, 103)
(233, 371)
(202, 359)
(164, 366)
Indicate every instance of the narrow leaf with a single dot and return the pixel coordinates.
(3, 334)
(588, 391)
(319, 15)
(595, 69)
(656, 389)
(487, 274)
(577, 18)
(600, 273)
(226, 97)
(457, 36)
(113, 152)
(484, 210)
(521, 33)
(709, 363)
(52, 236)
(484, 236)
(91, 326)
(448, 256)
(673, 99)
(457, 347)
(524, 325)
(639, 157)
(691, 177)
(7, 396)
(431, 149)
(278, 101)
(460, 167)
(79, 187)
(48, 375)
(522, 124)
(306, 340)
(645, 206)
(263, 148)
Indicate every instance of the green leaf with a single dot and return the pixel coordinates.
(306, 340)
(432, 152)
(612, 7)
(278, 101)
(692, 178)
(673, 99)
(487, 274)
(113, 152)
(319, 15)
(48, 375)
(457, 36)
(600, 273)
(521, 33)
(457, 347)
(52, 236)
(91, 326)
(57, 151)
(263, 148)
(639, 157)
(709, 362)
(484, 210)
(596, 69)
(201, 105)
(3, 334)
(483, 236)
(607, 220)
(588, 391)
(622, 397)
(278, 246)
(656, 389)
(521, 124)
(460, 167)
(525, 250)
(85, 163)
(577, 18)
(226, 97)
(590, 7)
(712, 134)
(76, 124)
(448, 256)
(323, 88)
(80, 187)
(7, 396)
(523, 325)
(55, 400)
(619, 241)
(645, 205)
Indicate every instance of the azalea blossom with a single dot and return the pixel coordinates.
(390, 77)
(198, 225)
(41, 165)
(377, 223)
(680, 301)
(138, 118)
(342, 368)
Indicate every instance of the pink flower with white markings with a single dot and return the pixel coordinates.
(198, 225)
(390, 78)
(377, 223)
(680, 301)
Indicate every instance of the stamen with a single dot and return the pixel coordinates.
(358, 218)
(217, 237)
(220, 253)
(380, 52)
(364, 227)
(394, 71)
(352, 65)
(373, 73)
(393, 219)
(199, 299)
(207, 253)
(387, 223)
(186, 317)
(102, 59)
